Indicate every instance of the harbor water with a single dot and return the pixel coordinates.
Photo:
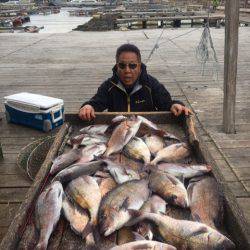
(57, 23)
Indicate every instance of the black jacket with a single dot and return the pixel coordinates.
(147, 95)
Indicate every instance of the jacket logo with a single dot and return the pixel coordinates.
(139, 101)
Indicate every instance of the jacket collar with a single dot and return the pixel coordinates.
(142, 78)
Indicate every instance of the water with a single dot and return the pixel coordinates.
(57, 23)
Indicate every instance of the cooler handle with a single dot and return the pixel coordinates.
(53, 115)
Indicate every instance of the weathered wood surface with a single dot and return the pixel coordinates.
(49, 63)
(19, 222)
(230, 65)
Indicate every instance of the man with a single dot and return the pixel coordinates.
(131, 88)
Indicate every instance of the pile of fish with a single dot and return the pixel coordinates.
(131, 181)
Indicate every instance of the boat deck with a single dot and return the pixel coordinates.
(71, 66)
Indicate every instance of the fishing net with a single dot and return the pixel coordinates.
(206, 54)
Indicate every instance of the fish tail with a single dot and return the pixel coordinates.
(42, 245)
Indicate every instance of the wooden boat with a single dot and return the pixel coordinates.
(21, 233)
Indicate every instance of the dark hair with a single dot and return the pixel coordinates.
(127, 47)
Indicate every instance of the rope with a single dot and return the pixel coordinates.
(156, 46)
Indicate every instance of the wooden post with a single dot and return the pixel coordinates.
(230, 64)
(1, 151)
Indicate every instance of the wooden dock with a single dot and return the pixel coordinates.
(71, 66)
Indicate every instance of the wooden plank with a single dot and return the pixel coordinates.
(230, 64)
(238, 189)
(8, 211)
(17, 226)
(243, 174)
(245, 205)
(247, 185)
(14, 181)
(15, 194)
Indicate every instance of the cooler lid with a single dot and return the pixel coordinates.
(40, 101)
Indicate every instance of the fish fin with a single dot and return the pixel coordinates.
(134, 213)
(172, 179)
(196, 217)
(87, 230)
(125, 204)
(137, 236)
(187, 160)
(200, 230)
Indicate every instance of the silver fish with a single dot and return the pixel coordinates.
(47, 212)
(184, 171)
(144, 245)
(154, 204)
(184, 234)
(64, 160)
(172, 153)
(77, 170)
(94, 129)
(122, 134)
(92, 152)
(77, 217)
(138, 150)
(116, 206)
(206, 202)
(148, 127)
(121, 173)
(169, 188)
(154, 142)
(86, 193)
(87, 139)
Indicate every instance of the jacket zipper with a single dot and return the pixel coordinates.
(128, 96)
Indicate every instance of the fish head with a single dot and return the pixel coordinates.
(180, 200)
(111, 220)
(219, 241)
(144, 229)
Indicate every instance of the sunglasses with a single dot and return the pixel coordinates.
(130, 65)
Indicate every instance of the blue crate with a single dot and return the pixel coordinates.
(36, 111)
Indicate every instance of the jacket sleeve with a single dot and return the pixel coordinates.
(100, 100)
(161, 97)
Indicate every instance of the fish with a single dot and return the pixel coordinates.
(172, 153)
(117, 206)
(95, 129)
(78, 218)
(121, 135)
(154, 142)
(65, 160)
(47, 212)
(118, 119)
(178, 213)
(88, 139)
(106, 185)
(184, 234)
(206, 203)
(92, 152)
(125, 235)
(137, 149)
(124, 160)
(121, 173)
(85, 191)
(169, 188)
(77, 170)
(184, 171)
(148, 127)
(154, 204)
(144, 245)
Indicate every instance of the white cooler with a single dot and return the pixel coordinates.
(36, 111)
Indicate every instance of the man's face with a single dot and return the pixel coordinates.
(128, 67)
